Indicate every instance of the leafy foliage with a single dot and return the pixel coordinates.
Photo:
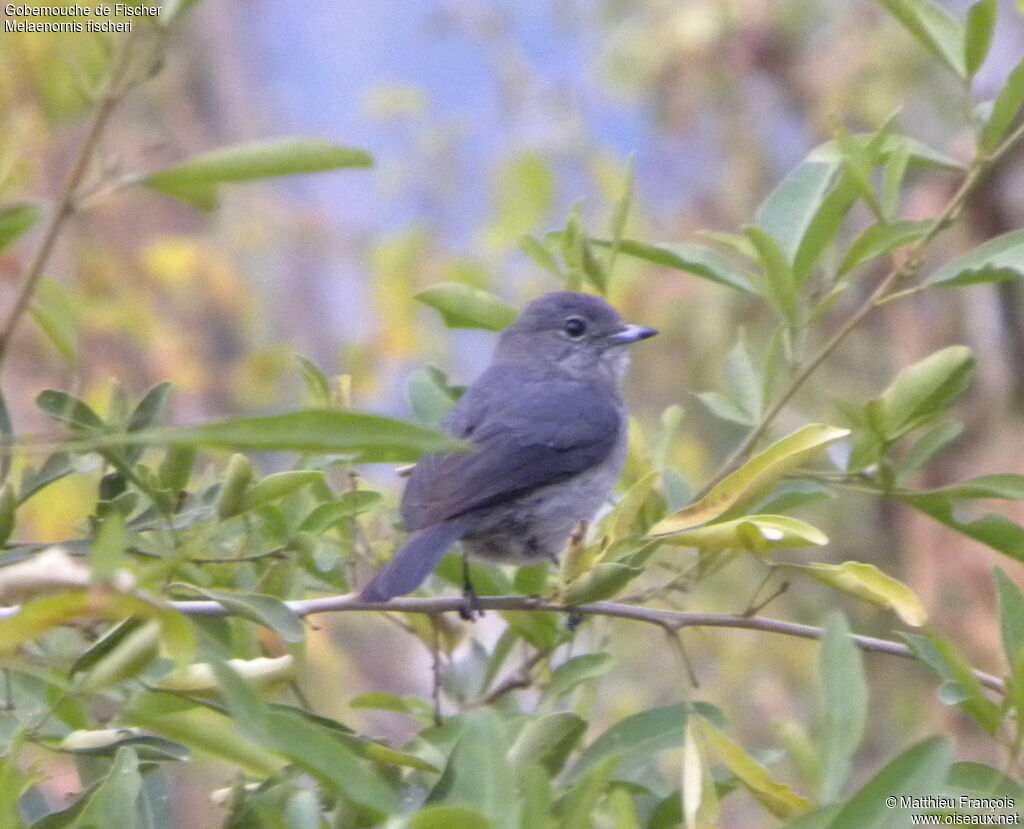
(170, 628)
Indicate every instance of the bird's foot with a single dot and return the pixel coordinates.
(471, 609)
(573, 619)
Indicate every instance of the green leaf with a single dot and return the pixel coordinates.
(698, 260)
(110, 640)
(465, 307)
(725, 408)
(430, 395)
(788, 212)
(311, 748)
(15, 221)
(108, 550)
(804, 212)
(540, 254)
(756, 533)
(580, 802)
(627, 517)
(754, 478)
(112, 802)
(546, 741)
(602, 581)
(620, 215)
(781, 282)
(347, 506)
(381, 701)
(201, 728)
(997, 531)
(879, 239)
(54, 313)
(998, 260)
(331, 761)
(984, 780)
(777, 798)
(67, 408)
(922, 392)
(981, 22)
(195, 181)
(150, 410)
(867, 582)
(574, 672)
(892, 179)
(476, 774)
(106, 742)
(368, 438)
(537, 811)
(843, 705)
(1005, 109)
(933, 28)
(959, 680)
(233, 485)
(699, 797)
(125, 658)
(277, 486)
(859, 164)
(1011, 616)
(316, 381)
(921, 770)
(201, 677)
(638, 737)
(929, 445)
(742, 380)
(259, 608)
(449, 817)
(1005, 485)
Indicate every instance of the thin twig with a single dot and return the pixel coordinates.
(521, 677)
(910, 266)
(113, 93)
(674, 619)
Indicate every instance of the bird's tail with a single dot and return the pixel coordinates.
(410, 566)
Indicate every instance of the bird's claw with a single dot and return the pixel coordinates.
(471, 609)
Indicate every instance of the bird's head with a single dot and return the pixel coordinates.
(578, 333)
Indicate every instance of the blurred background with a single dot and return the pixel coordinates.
(487, 121)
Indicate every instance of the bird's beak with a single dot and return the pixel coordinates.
(632, 334)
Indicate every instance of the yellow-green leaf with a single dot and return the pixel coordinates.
(277, 486)
(15, 221)
(369, 438)
(756, 533)
(600, 582)
(754, 478)
(777, 798)
(54, 313)
(620, 523)
(195, 181)
(465, 307)
(199, 676)
(867, 582)
(700, 799)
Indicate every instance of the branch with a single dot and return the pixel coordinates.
(667, 619)
(911, 265)
(114, 90)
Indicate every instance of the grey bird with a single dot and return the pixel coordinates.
(547, 423)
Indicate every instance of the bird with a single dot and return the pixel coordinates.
(547, 428)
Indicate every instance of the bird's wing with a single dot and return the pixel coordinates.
(530, 432)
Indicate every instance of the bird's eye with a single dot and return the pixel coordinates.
(575, 327)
